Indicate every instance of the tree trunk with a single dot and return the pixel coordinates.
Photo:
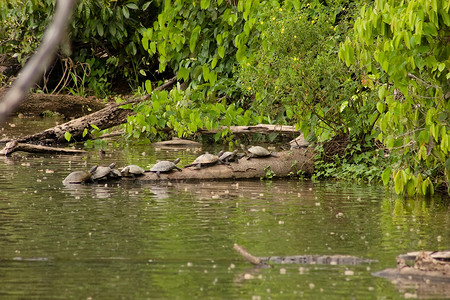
(108, 117)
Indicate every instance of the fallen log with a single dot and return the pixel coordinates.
(289, 163)
(260, 128)
(301, 259)
(15, 146)
(108, 117)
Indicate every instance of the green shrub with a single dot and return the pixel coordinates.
(183, 113)
(405, 47)
(295, 75)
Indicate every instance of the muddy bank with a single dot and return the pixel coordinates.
(67, 105)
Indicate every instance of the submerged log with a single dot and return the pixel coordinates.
(287, 163)
(176, 142)
(301, 259)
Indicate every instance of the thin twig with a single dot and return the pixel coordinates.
(422, 81)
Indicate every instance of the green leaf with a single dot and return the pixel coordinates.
(148, 86)
(221, 51)
(204, 4)
(152, 48)
(289, 112)
(380, 107)
(100, 29)
(194, 38)
(67, 136)
(400, 181)
(205, 70)
(126, 12)
(212, 78)
(410, 187)
(132, 6)
(386, 175)
(214, 62)
(183, 73)
(146, 5)
(95, 127)
(381, 93)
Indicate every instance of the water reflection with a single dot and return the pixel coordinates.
(134, 240)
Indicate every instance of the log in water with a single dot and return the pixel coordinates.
(286, 164)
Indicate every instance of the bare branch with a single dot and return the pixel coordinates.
(37, 64)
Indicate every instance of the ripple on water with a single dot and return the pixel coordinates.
(169, 241)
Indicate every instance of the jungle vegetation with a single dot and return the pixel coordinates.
(368, 81)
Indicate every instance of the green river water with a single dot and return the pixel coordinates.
(175, 241)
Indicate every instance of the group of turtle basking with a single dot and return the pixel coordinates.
(98, 173)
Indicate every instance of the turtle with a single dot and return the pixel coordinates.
(165, 166)
(115, 173)
(257, 151)
(102, 172)
(78, 177)
(204, 160)
(132, 171)
(227, 156)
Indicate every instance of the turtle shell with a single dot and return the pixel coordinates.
(227, 156)
(164, 166)
(133, 170)
(259, 151)
(102, 172)
(115, 173)
(206, 159)
(78, 177)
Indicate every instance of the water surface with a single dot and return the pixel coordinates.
(175, 241)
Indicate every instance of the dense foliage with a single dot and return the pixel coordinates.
(294, 75)
(405, 47)
(105, 41)
(377, 105)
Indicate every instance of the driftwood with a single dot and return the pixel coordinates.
(260, 128)
(301, 259)
(285, 164)
(15, 146)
